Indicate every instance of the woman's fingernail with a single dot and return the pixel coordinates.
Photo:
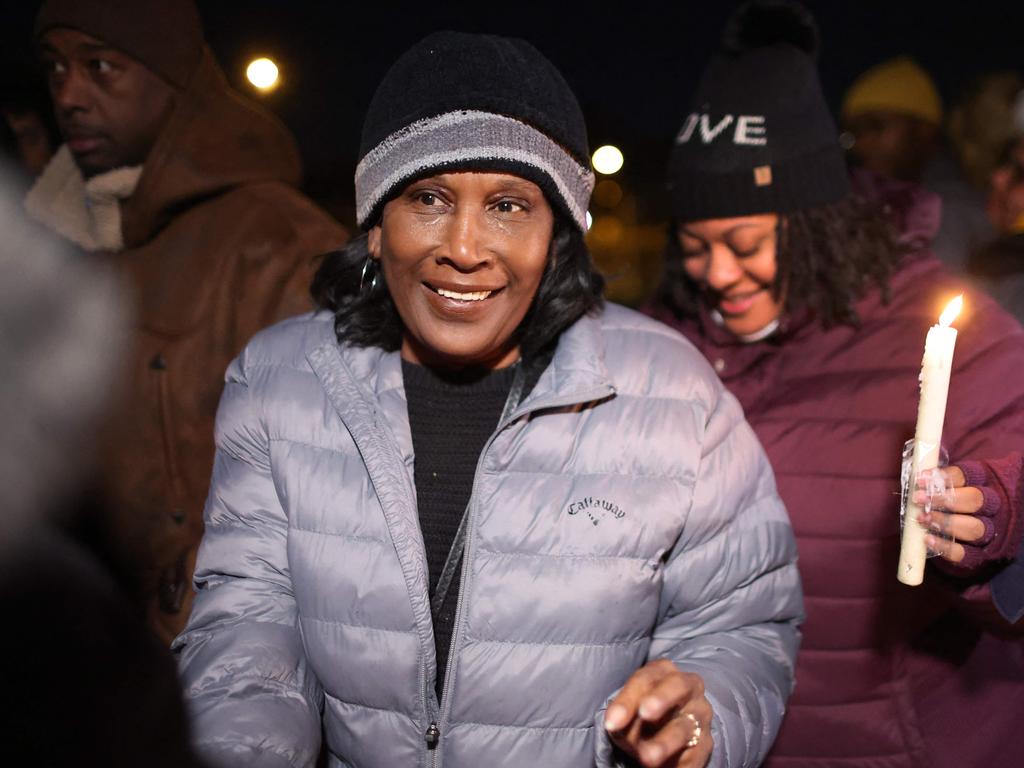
(920, 497)
(615, 718)
(649, 709)
(931, 542)
(654, 753)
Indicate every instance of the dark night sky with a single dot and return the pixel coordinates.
(633, 65)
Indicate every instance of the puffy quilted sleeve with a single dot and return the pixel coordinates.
(731, 600)
(252, 700)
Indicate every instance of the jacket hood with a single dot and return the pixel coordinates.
(214, 140)
(915, 211)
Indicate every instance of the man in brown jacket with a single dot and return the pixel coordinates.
(188, 192)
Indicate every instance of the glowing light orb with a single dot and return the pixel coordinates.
(263, 74)
(607, 159)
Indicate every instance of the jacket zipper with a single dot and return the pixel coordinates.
(432, 735)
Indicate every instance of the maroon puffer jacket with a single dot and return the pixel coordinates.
(888, 676)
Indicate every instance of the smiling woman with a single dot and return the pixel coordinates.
(458, 515)
(463, 255)
(795, 283)
(515, 252)
(735, 260)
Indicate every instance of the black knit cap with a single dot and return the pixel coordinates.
(457, 101)
(759, 137)
(165, 35)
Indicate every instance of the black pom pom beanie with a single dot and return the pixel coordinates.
(759, 137)
(458, 101)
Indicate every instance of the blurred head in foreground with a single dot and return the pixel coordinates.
(61, 327)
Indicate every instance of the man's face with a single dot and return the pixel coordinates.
(892, 144)
(1006, 192)
(109, 107)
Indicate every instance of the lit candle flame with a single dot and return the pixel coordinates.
(951, 311)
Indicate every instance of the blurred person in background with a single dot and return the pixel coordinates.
(982, 124)
(85, 681)
(28, 134)
(813, 308)
(469, 514)
(189, 192)
(893, 116)
(999, 265)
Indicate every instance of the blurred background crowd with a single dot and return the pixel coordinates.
(926, 94)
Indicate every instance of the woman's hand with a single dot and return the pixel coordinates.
(661, 717)
(961, 522)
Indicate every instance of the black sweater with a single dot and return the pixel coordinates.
(451, 419)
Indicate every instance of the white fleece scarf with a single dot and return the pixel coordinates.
(747, 338)
(88, 213)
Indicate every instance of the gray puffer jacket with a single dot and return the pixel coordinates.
(623, 511)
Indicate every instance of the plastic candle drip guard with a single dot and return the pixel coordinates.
(937, 486)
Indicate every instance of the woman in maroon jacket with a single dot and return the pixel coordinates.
(814, 313)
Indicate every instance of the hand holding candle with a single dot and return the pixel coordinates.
(931, 413)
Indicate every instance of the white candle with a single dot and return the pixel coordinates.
(931, 413)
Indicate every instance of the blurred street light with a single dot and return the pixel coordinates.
(263, 74)
(607, 232)
(607, 160)
(607, 193)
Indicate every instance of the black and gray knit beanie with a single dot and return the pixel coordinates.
(458, 101)
(759, 137)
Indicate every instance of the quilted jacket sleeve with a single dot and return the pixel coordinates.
(252, 700)
(731, 597)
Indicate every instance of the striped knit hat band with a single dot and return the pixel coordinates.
(470, 139)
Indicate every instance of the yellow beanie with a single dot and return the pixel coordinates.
(897, 85)
(1018, 226)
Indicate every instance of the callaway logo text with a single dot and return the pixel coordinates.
(596, 509)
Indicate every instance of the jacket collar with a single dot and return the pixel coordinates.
(732, 357)
(576, 374)
(86, 212)
(364, 385)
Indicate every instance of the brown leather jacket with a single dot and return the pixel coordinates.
(218, 244)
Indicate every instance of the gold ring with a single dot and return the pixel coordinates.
(694, 739)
